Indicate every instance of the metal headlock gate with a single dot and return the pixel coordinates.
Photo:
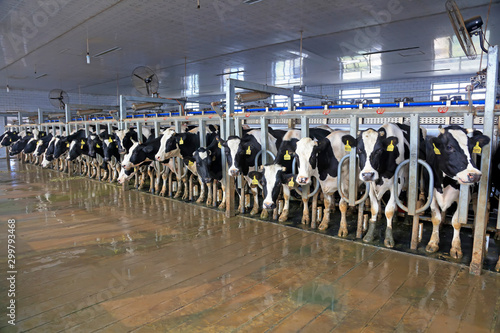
(348, 116)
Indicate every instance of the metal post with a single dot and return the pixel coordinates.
(139, 131)
(202, 133)
(463, 203)
(229, 181)
(352, 162)
(304, 126)
(290, 102)
(123, 112)
(413, 180)
(67, 112)
(19, 121)
(478, 250)
(40, 116)
(263, 138)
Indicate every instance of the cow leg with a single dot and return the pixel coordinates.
(327, 200)
(286, 204)
(390, 208)
(185, 180)
(374, 203)
(305, 211)
(151, 179)
(203, 192)
(222, 206)
(255, 209)
(163, 191)
(433, 244)
(456, 245)
(209, 194)
(264, 214)
(343, 206)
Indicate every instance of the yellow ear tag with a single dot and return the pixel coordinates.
(43, 134)
(291, 183)
(220, 146)
(190, 163)
(390, 147)
(82, 142)
(476, 149)
(436, 150)
(110, 140)
(347, 147)
(249, 151)
(287, 156)
(255, 181)
(97, 145)
(39, 142)
(67, 145)
(181, 142)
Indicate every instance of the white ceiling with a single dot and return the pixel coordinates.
(174, 38)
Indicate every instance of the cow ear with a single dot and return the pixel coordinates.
(321, 146)
(256, 177)
(390, 143)
(188, 160)
(349, 140)
(382, 132)
(477, 142)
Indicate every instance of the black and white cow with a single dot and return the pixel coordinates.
(273, 177)
(42, 144)
(208, 161)
(240, 156)
(9, 138)
(111, 154)
(19, 145)
(320, 159)
(449, 155)
(63, 144)
(48, 155)
(380, 152)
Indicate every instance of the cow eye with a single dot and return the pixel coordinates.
(450, 148)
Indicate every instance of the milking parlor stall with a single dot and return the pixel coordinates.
(255, 210)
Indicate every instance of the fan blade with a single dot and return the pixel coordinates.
(139, 77)
(147, 89)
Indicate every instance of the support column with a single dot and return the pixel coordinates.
(229, 181)
(479, 249)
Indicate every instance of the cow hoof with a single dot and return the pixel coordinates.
(342, 232)
(497, 267)
(305, 220)
(456, 253)
(283, 218)
(264, 214)
(368, 238)
(431, 247)
(200, 200)
(209, 202)
(389, 242)
(323, 226)
(254, 211)
(222, 206)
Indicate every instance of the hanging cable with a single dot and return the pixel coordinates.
(300, 82)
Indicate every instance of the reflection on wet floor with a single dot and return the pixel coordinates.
(91, 257)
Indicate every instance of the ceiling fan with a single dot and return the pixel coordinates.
(465, 29)
(59, 98)
(145, 81)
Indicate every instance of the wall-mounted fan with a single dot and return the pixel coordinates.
(465, 29)
(59, 98)
(145, 81)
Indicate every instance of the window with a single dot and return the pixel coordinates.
(349, 95)
(192, 85)
(237, 73)
(454, 89)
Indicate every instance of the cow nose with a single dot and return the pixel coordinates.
(233, 172)
(368, 175)
(269, 205)
(302, 180)
(473, 177)
(158, 158)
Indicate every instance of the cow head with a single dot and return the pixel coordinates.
(270, 179)
(374, 150)
(125, 174)
(307, 158)
(110, 148)
(19, 145)
(452, 150)
(61, 146)
(76, 148)
(203, 158)
(165, 143)
(9, 138)
(95, 145)
(233, 153)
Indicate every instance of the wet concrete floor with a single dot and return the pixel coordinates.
(93, 258)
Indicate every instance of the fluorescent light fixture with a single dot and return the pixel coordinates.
(88, 58)
(40, 76)
(393, 50)
(429, 71)
(229, 73)
(113, 49)
(251, 2)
